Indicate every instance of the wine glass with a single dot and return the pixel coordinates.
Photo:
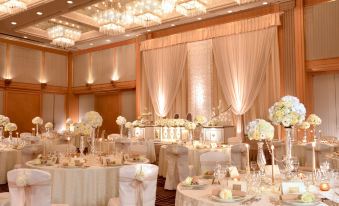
(253, 165)
(295, 164)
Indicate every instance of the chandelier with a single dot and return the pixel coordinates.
(63, 36)
(147, 12)
(11, 6)
(191, 7)
(168, 6)
(110, 22)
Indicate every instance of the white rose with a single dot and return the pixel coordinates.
(188, 181)
(21, 180)
(49, 125)
(226, 194)
(93, 119)
(10, 127)
(121, 120)
(140, 176)
(128, 125)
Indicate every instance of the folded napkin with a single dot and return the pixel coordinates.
(290, 197)
(237, 193)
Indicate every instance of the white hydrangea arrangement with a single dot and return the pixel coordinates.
(10, 127)
(82, 128)
(137, 123)
(200, 120)
(37, 121)
(190, 125)
(260, 130)
(121, 120)
(170, 122)
(129, 125)
(288, 111)
(314, 120)
(49, 125)
(4, 120)
(93, 119)
(305, 125)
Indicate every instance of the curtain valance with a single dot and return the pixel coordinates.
(242, 26)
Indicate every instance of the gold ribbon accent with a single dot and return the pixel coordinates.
(28, 189)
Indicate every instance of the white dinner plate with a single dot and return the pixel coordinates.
(194, 187)
(234, 199)
(300, 203)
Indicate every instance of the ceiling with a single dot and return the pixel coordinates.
(30, 26)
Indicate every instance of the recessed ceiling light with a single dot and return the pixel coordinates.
(199, 18)
(127, 35)
(229, 11)
(108, 40)
(149, 30)
(69, 2)
(91, 44)
(25, 37)
(13, 23)
(172, 24)
(264, 3)
(39, 13)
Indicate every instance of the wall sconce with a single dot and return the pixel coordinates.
(113, 83)
(43, 85)
(7, 82)
(88, 84)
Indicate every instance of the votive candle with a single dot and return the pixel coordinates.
(313, 156)
(248, 156)
(273, 160)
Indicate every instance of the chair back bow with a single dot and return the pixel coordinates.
(27, 195)
(138, 183)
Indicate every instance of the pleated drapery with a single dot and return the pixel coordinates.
(164, 70)
(241, 61)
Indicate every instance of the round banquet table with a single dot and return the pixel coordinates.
(92, 186)
(185, 197)
(8, 159)
(193, 159)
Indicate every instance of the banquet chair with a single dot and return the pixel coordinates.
(63, 148)
(177, 166)
(234, 140)
(28, 187)
(238, 155)
(209, 160)
(321, 151)
(134, 189)
(139, 148)
(176, 116)
(189, 117)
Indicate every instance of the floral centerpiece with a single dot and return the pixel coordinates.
(121, 121)
(68, 123)
(37, 121)
(288, 112)
(3, 121)
(49, 126)
(10, 127)
(305, 126)
(190, 126)
(260, 130)
(82, 129)
(129, 126)
(94, 120)
(200, 120)
(315, 121)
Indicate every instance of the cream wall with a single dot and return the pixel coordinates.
(128, 108)
(53, 109)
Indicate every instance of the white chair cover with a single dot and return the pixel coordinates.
(234, 140)
(135, 191)
(321, 150)
(239, 156)
(209, 160)
(37, 191)
(177, 166)
(28, 137)
(61, 148)
(139, 148)
(4, 199)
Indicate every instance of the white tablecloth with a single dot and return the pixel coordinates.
(193, 159)
(92, 186)
(8, 159)
(200, 198)
(126, 143)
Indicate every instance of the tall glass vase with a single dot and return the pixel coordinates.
(305, 136)
(121, 129)
(82, 146)
(1, 133)
(190, 136)
(288, 151)
(315, 138)
(92, 138)
(37, 129)
(261, 159)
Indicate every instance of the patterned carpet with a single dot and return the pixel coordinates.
(164, 197)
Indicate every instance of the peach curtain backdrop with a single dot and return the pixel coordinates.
(164, 69)
(241, 61)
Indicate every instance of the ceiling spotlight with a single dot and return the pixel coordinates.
(25, 37)
(39, 13)
(199, 18)
(229, 11)
(13, 23)
(108, 40)
(91, 44)
(69, 2)
(264, 3)
(127, 35)
(172, 24)
(149, 30)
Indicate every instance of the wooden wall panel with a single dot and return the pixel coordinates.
(128, 103)
(22, 107)
(86, 104)
(56, 69)
(109, 107)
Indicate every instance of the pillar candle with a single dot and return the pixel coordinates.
(313, 156)
(248, 155)
(272, 148)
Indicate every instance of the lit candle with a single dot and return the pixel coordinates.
(33, 131)
(100, 140)
(324, 186)
(68, 146)
(313, 156)
(248, 157)
(272, 148)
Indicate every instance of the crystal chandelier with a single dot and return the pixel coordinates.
(11, 6)
(168, 6)
(110, 22)
(63, 36)
(147, 12)
(191, 7)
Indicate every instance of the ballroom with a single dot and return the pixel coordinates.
(169, 103)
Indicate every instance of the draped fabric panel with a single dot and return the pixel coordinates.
(164, 70)
(237, 27)
(241, 62)
(80, 68)
(2, 59)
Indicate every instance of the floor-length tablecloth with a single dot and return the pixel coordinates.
(8, 159)
(92, 186)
